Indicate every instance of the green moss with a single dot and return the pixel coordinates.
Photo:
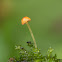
(34, 55)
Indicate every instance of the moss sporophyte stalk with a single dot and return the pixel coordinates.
(34, 54)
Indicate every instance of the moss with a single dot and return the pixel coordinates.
(34, 55)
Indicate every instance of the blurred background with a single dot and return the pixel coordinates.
(46, 24)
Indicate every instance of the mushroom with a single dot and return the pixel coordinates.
(25, 20)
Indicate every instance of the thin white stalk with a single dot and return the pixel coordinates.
(32, 35)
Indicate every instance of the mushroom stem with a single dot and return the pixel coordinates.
(31, 34)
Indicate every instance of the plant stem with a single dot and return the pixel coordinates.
(31, 34)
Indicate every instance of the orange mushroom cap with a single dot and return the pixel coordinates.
(25, 20)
